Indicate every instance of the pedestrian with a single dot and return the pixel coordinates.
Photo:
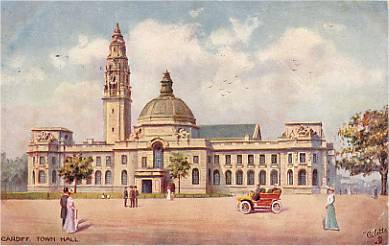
(70, 225)
(172, 190)
(330, 222)
(136, 192)
(169, 197)
(257, 193)
(125, 196)
(63, 203)
(132, 197)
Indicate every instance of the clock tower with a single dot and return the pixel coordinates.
(117, 91)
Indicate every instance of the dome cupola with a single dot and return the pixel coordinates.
(166, 108)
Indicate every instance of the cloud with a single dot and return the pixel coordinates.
(238, 32)
(19, 70)
(86, 52)
(196, 12)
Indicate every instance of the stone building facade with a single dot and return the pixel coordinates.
(224, 158)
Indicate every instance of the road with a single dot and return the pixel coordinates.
(197, 221)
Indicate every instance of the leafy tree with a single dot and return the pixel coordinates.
(13, 173)
(76, 168)
(179, 167)
(365, 145)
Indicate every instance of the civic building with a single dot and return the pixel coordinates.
(224, 158)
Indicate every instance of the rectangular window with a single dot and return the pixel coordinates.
(33, 159)
(302, 157)
(274, 159)
(262, 159)
(108, 161)
(228, 159)
(53, 160)
(124, 159)
(250, 159)
(209, 159)
(144, 162)
(98, 161)
(290, 158)
(239, 159)
(42, 160)
(315, 159)
(196, 159)
(216, 159)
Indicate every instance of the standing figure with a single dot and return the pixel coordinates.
(63, 203)
(125, 196)
(257, 193)
(172, 190)
(70, 225)
(168, 192)
(132, 197)
(330, 222)
(136, 193)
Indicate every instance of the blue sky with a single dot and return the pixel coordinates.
(287, 61)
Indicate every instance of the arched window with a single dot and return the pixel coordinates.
(33, 177)
(290, 177)
(273, 177)
(250, 177)
(158, 155)
(314, 177)
(262, 177)
(42, 177)
(124, 177)
(228, 177)
(53, 177)
(302, 177)
(216, 177)
(98, 177)
(239, 177)
(195, 176)
(108, 177)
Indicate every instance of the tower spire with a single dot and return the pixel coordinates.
(166, 85)
(116, 31)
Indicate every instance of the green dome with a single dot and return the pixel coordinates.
(166, 108)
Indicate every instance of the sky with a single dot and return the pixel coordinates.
(231, 62)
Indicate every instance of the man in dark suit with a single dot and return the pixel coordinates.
(136, 193)
(173, 190)
(132, 197)
(63, 202)
(125, 196)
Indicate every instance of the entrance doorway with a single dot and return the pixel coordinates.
(147, 186)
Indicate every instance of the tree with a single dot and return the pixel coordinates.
(76, 168)
(365, 145)
(179, 167)
(13, 173)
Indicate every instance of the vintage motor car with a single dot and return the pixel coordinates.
(269, 200)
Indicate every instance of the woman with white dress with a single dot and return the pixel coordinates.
(330, 222)
(70, 221)
(168, 197)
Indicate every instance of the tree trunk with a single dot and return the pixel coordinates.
(384, 181)
(75, 185)
(179, 184)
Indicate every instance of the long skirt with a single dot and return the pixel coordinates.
(330, 222)
(168, 194)
(70, 222)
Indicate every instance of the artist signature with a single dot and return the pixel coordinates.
(377, 234)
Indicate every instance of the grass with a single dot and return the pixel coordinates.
(96, 195)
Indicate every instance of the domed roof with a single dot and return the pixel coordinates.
(166, 108)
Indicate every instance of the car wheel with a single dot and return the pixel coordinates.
(276, 207)
(245, 207)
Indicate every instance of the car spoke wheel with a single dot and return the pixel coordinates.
(276, 207)
(245, 207)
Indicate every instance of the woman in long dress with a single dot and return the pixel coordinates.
(168, 197)
(70, 222)
(330, 222)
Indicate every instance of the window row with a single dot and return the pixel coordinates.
(98, 176)
(214, 177)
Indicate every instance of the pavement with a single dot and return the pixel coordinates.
(362, 220)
